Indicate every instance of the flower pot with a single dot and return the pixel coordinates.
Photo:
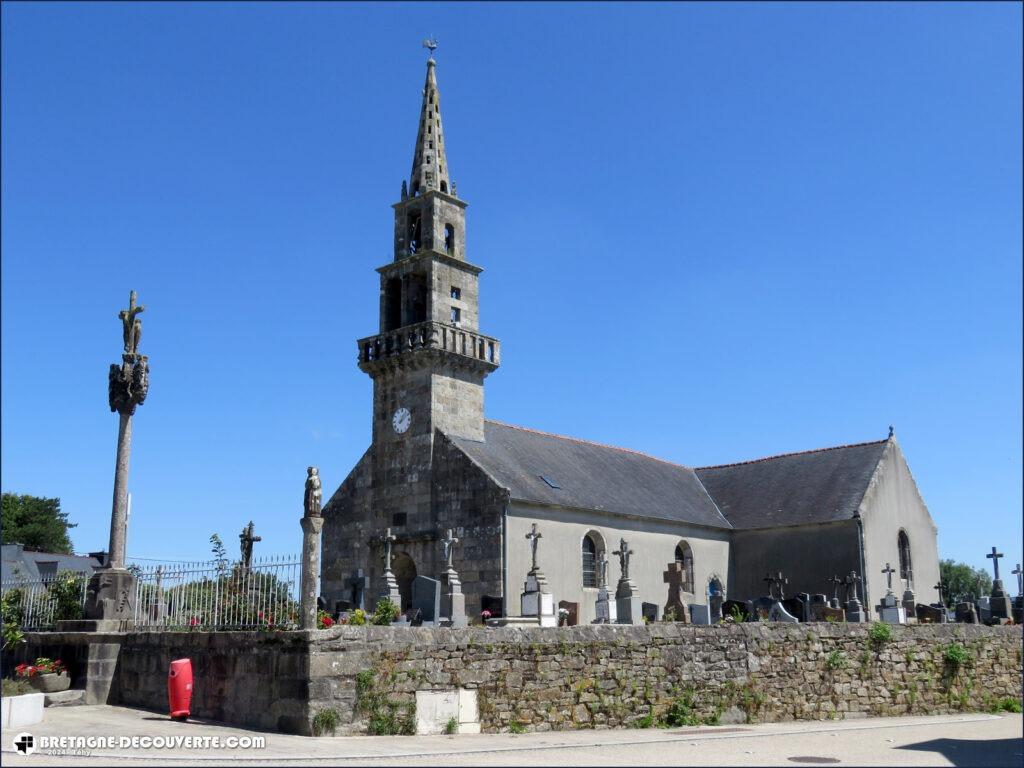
(50, 682)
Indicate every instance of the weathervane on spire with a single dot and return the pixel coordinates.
(431, 44)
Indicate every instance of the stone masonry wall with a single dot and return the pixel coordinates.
(553, 679)
(600, 677)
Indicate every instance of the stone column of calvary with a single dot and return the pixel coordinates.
(311, 523)
(111, 591)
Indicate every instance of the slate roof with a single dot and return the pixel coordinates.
(590, 476)
(16, 562)
(794, 489)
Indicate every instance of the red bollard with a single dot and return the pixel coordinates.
(179, 688)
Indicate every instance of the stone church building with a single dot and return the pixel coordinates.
(436, 463)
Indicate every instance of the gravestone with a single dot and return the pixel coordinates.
(453, 602)
(700, 614)
(674, 576)
(649, 611)
(715, 601)
(536, 601)
(426, 598)
(854, 609)
(929, 614)
(984, 609)
(836, 582)
(573, 616)
(358, 584)
(494, 605)
(825, 612)
(966, 613)
(628, 605)
(604, 606)
(889, 609)
(999, 606)
(779, 613)
(909, 604)
(794, 607)
(818, 602)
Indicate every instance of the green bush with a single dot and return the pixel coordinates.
(1007, 705)
(879, 634)
(385, 612)
(452, 726)
(357, 618)
(646, 721)
(516, 727)
(836, 660)
(325, 720)
(955, 656)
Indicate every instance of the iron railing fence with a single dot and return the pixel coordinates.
(216, 595)
(38, 604)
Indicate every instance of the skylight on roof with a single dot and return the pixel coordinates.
(550, 482)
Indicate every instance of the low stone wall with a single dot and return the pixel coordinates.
(553, 679)
(600, 677)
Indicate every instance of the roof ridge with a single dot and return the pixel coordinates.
(793, 453)
(589, 442)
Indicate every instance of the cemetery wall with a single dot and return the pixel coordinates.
(600, 676)
(556, 679)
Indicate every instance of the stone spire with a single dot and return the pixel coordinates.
(429, 164)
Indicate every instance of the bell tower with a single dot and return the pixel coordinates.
(429, 359)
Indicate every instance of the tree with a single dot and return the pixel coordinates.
(35, 522)
(961, 581)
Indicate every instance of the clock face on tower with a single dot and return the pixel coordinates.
(401, 420)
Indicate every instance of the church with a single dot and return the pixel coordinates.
(436, 463)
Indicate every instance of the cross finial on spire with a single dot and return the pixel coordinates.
(892, 431)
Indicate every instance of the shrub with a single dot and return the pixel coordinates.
(324, 620)
(325, 720)
(15, 687)
(516, 727)
(385, 612)
(681, 712)
(645, 722)
(879, 634)
(452, 726)
(836, 660)
(1008, 705)
(955, 656)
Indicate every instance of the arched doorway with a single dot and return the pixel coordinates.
(405, 571)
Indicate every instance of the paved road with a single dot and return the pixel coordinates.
(974, 740)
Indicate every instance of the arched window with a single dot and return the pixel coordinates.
(449, 236)
(684, 555)
(906, 569)
(592, 551)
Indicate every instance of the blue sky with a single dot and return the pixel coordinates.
(709, 232)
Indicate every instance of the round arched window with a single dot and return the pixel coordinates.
(684, 556)
(906, 567)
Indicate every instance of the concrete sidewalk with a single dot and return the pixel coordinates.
(962, 740)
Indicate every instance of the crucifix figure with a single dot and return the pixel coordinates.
(602, 570)
(132, 325)
(941, 589)
(889, 571)
(387, 539)
(994, 557)
(836, 581)
(448, 543)
(1017, 573)
(623, 555)
(851, 581)
(534, 537)
(246, 539)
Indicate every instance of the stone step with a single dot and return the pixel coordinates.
(70, 698)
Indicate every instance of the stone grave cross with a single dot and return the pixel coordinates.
(994, 557)
(888, 571)
(674, 578)
(534, 537)
(852, 581)
(835, 581)
(776, 582)
(246, 539)
(387, 539)
(448, 543)
(941, 589)
(1017, 573)
(623, 554)
(602, 570)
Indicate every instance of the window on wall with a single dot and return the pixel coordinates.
(589, 561)
(906, 568)
(684, 556)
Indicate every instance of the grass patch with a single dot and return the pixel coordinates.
(836, 660)
(325, 721)
(879, 634)
(516, 727)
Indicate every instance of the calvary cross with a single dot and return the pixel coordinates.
(388, 538)
(534, 537)
(448, 543)
(836, 580)
(1017, 573)
(994, 557)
